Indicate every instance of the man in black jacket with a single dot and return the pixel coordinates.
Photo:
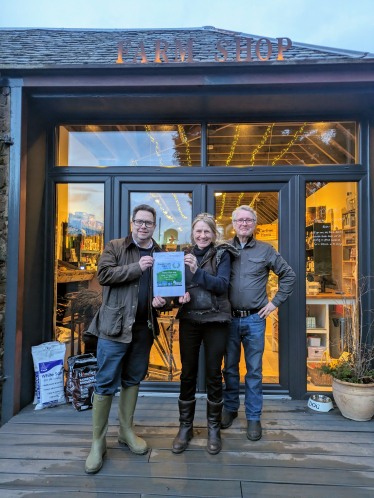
(125, 326)
(250, 308)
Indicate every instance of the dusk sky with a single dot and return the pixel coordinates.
(335, 23)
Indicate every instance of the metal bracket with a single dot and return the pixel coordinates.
(3, 378)
(6, 140)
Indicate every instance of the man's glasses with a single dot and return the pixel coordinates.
(245, 222)
(139, 223)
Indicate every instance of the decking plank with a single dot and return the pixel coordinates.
(14, 493)
(71, 414)
(312, 423)
(266, 490)
(99, 482)
(365, 437)
(180, 471)
(197, 443)
(264, 459)
(73, 453)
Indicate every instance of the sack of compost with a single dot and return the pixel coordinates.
(80, 381)
(49, 374)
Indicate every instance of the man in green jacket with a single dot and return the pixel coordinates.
(125, 326)
(250, 307)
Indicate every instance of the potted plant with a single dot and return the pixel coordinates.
(353, 373)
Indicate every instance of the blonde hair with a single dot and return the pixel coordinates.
(209, 220)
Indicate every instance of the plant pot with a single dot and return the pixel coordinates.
(355, 401)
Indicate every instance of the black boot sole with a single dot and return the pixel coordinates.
(257, 438)
(214, 452)
(177, 452)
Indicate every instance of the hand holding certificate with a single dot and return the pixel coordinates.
(169, 274)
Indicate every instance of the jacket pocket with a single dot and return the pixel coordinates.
(111, 319)
(256, 266)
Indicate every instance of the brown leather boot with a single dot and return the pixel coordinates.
(185, 433)
(214, 415)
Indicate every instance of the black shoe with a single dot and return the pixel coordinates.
(185, 433)
(254, 430)
(227, 418)
(214, 415)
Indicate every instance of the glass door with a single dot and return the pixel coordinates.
(265, 200)
(176, 206)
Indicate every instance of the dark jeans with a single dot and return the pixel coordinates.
(214, 338)
(251, 332)
(123, 364)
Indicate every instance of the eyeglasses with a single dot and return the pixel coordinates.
(246, 222)
(139, 223)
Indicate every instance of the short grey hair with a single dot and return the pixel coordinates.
(245, 208)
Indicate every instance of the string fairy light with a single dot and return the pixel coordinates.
(162, 209)
(184, 139)
(223, 206)
(264, 138)
(179, 206)
(284, 151)
(256, 196)
(233, 145)
(239, 199)
(153, 140)
(165, 212)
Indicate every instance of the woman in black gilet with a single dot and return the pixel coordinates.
(204, 316)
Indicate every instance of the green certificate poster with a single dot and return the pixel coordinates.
(169, 274)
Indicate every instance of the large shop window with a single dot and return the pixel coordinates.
(331, 273)
(79, 242)
(130, 145)
(266, 206)
(275, 144)
(173, 233)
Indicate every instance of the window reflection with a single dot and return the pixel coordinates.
(266, 206)
(331, 273)
(275, 144)
(130, 145)
(79, 243)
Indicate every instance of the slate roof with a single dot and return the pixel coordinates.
(38, 48)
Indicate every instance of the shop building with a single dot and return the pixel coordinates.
(187, 120)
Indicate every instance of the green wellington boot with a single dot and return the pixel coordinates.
(100, 415)
(126, 409)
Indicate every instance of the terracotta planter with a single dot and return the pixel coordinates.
(355, 401)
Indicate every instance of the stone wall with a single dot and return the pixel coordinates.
(4, 186)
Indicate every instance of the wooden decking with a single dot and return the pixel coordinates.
(301, 454)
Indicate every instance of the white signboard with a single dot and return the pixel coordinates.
(169, 274)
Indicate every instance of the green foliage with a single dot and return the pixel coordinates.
(345, 373)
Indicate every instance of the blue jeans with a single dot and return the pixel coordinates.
(251, 332)
(123, 364)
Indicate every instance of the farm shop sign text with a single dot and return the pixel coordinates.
(184, 52)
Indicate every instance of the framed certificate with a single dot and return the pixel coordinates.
(169, 274)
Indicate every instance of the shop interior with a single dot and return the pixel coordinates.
(331, 272)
